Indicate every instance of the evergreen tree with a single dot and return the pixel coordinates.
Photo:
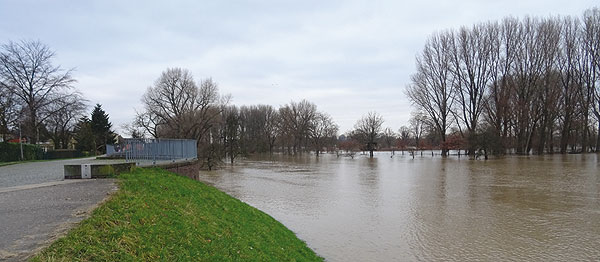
(101, 129)
(84, 135)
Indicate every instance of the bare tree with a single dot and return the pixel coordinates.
(271, 127)
(61, 124)
(388, 139)
(367, 130)
(591, 19)
(322, 129)
(527, 79)
(404, 133)
(590, 74)
(26, 69)
(258, 128)
(231, 132)
(432, 86)
(296, 119)
(147, 122)
(497, 103)
(418, 123)
(549, 90)
(473, 61)
(567, 64)
(528, 71)
(134, 130)
(177, 107)
(8, 111)
(172, 100)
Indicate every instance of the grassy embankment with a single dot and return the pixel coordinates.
(158, 215)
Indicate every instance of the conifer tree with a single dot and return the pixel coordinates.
(84, 136)
(101, 129)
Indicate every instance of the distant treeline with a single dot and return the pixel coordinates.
(178, 107)
(516, 85)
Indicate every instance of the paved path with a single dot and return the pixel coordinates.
(40, 172)
(37, 205)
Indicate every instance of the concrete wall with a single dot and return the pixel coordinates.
(189, 169)
(98, 170)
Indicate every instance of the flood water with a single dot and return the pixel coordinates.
(536, 208)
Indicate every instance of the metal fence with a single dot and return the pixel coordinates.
(158, 149)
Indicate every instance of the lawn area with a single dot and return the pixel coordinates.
(160, 216)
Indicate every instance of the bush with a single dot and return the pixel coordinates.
(12, 152)
(62, 154)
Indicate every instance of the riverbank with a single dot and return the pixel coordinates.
(158, 215)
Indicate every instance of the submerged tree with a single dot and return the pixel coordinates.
(530, 82)
(231, 132)
(322, 130)
(296, 119)
(388, 139)
(367, 130)
(432, 88)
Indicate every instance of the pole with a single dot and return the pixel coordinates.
(21, 141)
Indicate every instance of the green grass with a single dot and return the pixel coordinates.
(160, 216)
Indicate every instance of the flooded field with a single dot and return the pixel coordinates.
(537, 208)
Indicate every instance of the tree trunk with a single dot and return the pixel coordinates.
(598, 139)
(584, 133)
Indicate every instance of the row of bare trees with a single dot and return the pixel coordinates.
(293, 128)
(37, 98)
(532, 83)
(177, 106)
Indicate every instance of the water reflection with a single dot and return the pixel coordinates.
(382, 209)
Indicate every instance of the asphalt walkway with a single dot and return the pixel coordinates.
(37, 205)
(40, 172)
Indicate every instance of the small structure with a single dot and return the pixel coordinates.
(96, 170)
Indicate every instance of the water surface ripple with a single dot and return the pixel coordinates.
(536, 208)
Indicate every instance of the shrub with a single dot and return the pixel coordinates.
(12, 152)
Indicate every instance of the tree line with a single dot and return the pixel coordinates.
(39, 102)
(177, 106)
(520, 86)
(517, 85)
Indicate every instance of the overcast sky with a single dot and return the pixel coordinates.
(348, 57)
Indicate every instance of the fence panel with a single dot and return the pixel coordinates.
(150, 149)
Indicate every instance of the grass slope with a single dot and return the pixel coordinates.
(161, 216)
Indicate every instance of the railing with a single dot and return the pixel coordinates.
(158, 149)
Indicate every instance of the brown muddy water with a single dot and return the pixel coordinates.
(537, 208)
